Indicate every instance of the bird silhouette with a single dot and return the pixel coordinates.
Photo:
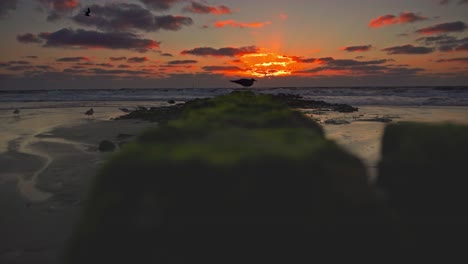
(90, 112)
(245, 82)
(86, 13)
(16, 112)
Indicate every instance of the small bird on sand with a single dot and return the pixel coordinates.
(245, 82)
(16, 112)
(90, 112)
(86, 13)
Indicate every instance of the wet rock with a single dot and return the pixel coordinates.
(247, 173)
(106, 146)
(336, 121)
(122, 136)
(171, 102)
(377, 119)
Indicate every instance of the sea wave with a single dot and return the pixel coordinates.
(402, 96)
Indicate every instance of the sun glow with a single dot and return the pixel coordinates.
(268, 64)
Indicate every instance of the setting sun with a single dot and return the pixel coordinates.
(268, 64)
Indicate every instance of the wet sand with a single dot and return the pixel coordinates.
(49, 158)
(45, 172)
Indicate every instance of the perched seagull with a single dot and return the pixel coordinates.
(245, 82)
(86, 13)
(16, 112)
(90, 112)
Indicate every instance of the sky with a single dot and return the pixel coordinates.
(52, 44)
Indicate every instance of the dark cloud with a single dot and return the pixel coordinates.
(58, 8)
(222, 68)
(357, 48)
(444, 42)
(228, 51)
(44, 67)
(28, 38)
(408, 49)
(54, 16)
(20, 62)
(171, 22)
(6, 6)
(112, 72)
(403, 18)
(315, 60)
(446, 2)
(346, 66)
(457, 26)
(92, 39)
(13, 63)
(122, 16)
(465, 60)
(463, 47)
(60, 5)
(159, 4)
(20, 68)
(117, 58)
(32, 57)
(137, 59)
(180, 62)
(199, 8)
(123, 66)
(167, 55)
(364, 70)
(107, 65)
(72, 59)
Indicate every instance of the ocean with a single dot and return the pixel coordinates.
(356, 96)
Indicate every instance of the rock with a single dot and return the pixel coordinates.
(243, 171)
(336, 121)
(423, 174)
(106, 146)
(171, 102)
(423, 168)
(165, 114)
(376, 119)
(122, 136)
(123, 143)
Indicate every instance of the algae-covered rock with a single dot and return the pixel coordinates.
(106, 146)
(238, 179)
(423, 168)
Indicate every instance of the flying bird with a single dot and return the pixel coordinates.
(86, 13)
(245, 82)
(90, 112)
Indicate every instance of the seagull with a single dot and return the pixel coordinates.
(245, 82)
(90, 112)
(86, 13)
(16, 112)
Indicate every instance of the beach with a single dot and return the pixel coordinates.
(49, 157)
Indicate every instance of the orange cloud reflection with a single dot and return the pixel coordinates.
(268, 64)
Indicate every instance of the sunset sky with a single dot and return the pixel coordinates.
(181, 43)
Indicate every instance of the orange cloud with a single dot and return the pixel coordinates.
(233, 23)
(283, 16)
(403, 18)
